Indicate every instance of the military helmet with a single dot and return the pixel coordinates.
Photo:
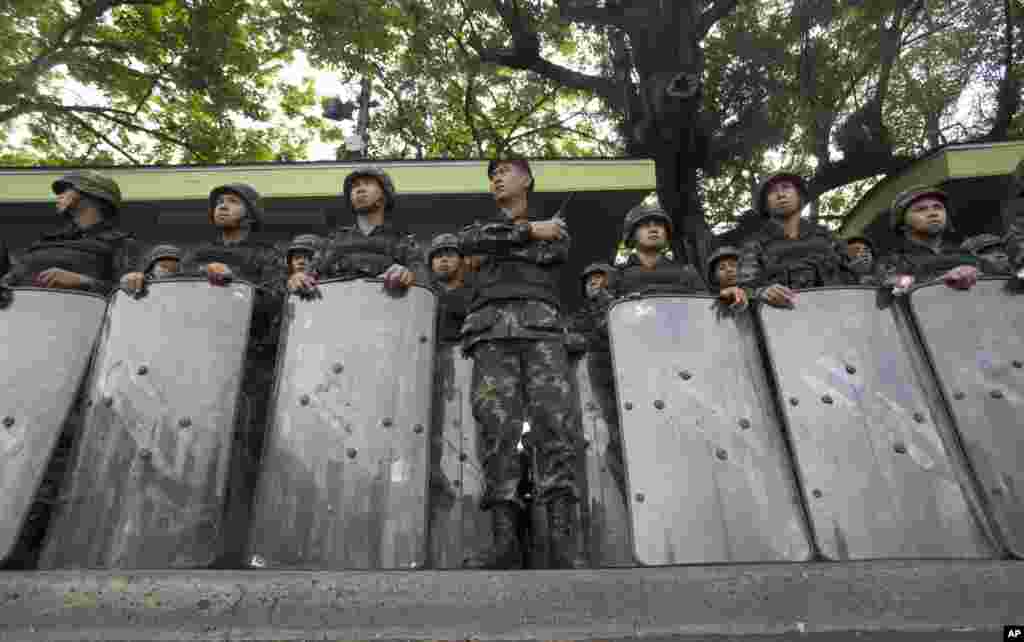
(640, 213)
(444, 242)
(92, 184)
(248, 194)
(906, 198)
(525, 164)
(595, 268)
(981, 242)
(163, 251)
(304, 243)
(720, 253)
(762, 190)
(860, 238)
(382, 177)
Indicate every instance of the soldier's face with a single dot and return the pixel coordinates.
(446, 263)
(229, 211)
(67, 200)
(857, 249)
(726, 271)
(650, 234)
(298, 262)
(927, 215)
(509, 180)
(167, 265)
(783, 198)
(367, 194)
(597, 281)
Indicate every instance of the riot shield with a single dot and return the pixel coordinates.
(976, 342)
(46, 339)
(147, 487)
(344, 482)
(457, 525)
(706, 466)
(878, 479)
(606, 513)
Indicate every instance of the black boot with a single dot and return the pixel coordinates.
(505, 553)
(563, 528)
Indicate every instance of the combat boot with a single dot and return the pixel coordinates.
(505, 553)
(563, 529)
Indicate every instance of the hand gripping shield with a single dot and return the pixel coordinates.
(707, 471)
(976, 342)
(344, 483)
(148, 482)
(869, 434)
(46, 339)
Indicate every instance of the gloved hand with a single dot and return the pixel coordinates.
(902, 284)
(778, 296)
(962, 277)
(218, 274)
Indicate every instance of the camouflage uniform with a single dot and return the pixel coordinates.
(161, 252)
(1013, 219)
(990, 251)
(714, 287)
(515, 335)
(863, 267)
(5, 259)
(452, 304)
(668, 276)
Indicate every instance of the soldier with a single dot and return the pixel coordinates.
(588, 330)
(788, 253)
(372, 247)
(448, 282)
(722, 268)
(302, 253)
(162, 262)
(922, 214)
(89, 252)
(1013, 222)
(645, 260)
(515, 336)
(860, 255)
(990, 250)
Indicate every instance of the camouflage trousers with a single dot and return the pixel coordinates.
(517, 379)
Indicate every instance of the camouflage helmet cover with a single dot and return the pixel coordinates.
(252, 199)
(386, 184)
(981, 242)
(444, 242)
(596, 268)
(518, 160)
(93, 184)
(720, 253)
(906, 198)
(304, 243)
(640, 213)
(163, 251)
(762, 189)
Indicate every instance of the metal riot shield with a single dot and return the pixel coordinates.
(147, 487)
(606, 513)
(46, 339)
(976, 342)
(878, 479)
(344, 483)
(706, 466)
(457, 525)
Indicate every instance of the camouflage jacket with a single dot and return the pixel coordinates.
(349, 253)
(100, 252)
(5, 259)
(1013, 219)
(452, 306)
(814, 259)
(922, 261)
(513, 265)
(590, 323)
(512, 319)
(667, 277)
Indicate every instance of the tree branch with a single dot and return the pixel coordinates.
(712, 15)
(106, 139)
(606, 89)
(852, 169)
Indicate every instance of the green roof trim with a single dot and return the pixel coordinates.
(297, 180)
(940, 167)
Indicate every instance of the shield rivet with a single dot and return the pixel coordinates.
(146, 454)
(257, 561)
(900, 447)
(338, 368)
(418, 429)
(386, 422)
(851, 370)
(817, 493)
(640, 497)
(959, 395)
(351, 452)
(8, 421)
(685, 375)
(745, 424)
(826, 399)
(919, 417)
(423, 338)
(108, 401)
(629, 405)
(793, 401)
(1017, 363)
(996, 394)
(304, 400)
(463, 456)
(721, 454)
(659, 404)
(142, 370)
(184, 422)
